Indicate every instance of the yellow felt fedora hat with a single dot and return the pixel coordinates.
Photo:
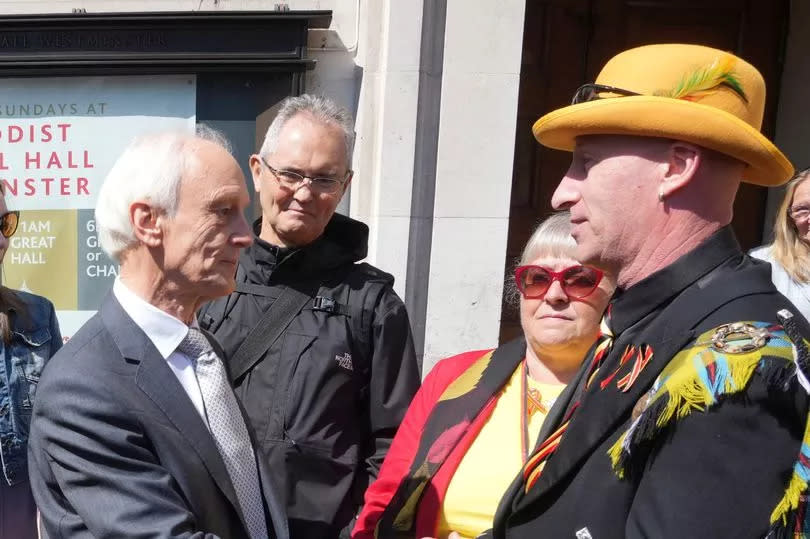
(685, 92)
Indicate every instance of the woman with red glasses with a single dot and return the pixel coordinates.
(469, 429)
(29, 336)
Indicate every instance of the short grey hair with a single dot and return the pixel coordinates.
(149, 170)
(552, 237)
(322, 109)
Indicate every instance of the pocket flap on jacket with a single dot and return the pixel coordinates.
(35, 338)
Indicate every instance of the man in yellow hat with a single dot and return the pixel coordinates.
(688, 416)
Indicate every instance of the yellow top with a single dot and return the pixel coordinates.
(492, 461)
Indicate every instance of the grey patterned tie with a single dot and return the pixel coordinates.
(228, 429)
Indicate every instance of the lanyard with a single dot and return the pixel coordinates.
(524, 413)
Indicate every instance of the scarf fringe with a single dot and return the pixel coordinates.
(695, 380)
(677, 402)
(788, 518)
(793, 524)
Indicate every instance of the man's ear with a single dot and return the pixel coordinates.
(683, 161)
(146, 223)
(255, 164)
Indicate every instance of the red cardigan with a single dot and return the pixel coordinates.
(400, 456)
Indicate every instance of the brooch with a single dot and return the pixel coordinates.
(739, 338)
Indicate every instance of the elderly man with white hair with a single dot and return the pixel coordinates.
(136, 431)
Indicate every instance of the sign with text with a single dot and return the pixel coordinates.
(58, 140)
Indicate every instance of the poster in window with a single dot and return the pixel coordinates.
(58, 139)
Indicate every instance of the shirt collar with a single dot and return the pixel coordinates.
(164, 330)
(649, 294)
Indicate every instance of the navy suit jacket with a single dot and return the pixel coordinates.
(117, 449)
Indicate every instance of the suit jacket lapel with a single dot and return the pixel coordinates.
(275, 509)
(158, 382)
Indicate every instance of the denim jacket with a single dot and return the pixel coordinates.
(34, 340)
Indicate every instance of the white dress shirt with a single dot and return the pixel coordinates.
(166, 332)
(797, 293)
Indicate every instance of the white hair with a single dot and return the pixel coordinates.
(149, 170)
(552, 237)
(322, 109)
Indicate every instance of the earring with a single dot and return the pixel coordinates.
(660, 193)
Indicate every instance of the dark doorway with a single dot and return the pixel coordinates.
(565, 43)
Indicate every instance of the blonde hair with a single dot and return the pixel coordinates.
(789, 249)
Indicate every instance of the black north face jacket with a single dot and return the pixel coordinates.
(325, 400)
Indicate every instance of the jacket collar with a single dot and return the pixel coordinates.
(447, 424)
(344, 241)
(164, 330)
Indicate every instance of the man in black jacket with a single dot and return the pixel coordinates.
(688, 418)
(319, 345)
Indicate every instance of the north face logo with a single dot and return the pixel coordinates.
(345, 361)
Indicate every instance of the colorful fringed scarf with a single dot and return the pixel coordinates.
(789, 518)
(696, 379)
(447, 424)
